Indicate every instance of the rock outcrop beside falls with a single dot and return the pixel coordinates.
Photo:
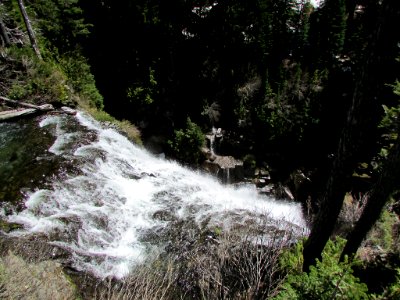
(43, 280)
(227, 168)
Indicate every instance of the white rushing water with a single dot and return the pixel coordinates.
(102, 213)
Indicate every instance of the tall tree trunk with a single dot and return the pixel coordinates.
(28, 25)
(3, 33)
(332, 199)
(378, 197)
(361, 122)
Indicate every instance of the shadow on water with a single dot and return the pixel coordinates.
(24, 160)
(26, 164)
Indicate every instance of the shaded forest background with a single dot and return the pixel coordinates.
(278, 75)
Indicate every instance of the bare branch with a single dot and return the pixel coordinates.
(29, 29)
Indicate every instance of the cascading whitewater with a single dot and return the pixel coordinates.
(118, 194)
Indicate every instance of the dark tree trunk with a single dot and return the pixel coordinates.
(28, 25)
(332, 200)
(378, 197)
(4, 34)
(361, 123)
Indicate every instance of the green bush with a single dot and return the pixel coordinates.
(328, 279)
(38, 81)
(187, 143)
(381, 236)
(61, 23)
(81, 79)
(143, 95)
(64, 74)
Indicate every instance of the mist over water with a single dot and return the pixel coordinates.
(119, 203)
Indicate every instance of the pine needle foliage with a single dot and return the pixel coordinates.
(328, 279)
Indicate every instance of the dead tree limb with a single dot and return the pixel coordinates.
(46, 107)
(4, 34)
(13, 114)
(28, 25)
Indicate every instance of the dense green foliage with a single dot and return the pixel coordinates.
(187, 143)
(331, 278)
(61, 22)
(328, 279)
(63, 75)
(37, 81)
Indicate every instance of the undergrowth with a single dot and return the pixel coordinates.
(328, 279)
(232, 264)
(62, 79)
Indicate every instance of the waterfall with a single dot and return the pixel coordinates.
(227, 176)
(107, 210)
(212, 140)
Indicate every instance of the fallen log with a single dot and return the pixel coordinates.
(45, 107)
(31, 109)
(15, 113)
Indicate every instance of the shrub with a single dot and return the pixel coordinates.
(38, 81)
(143, 95)
(126, 127)
(328, 279)
(81, 79)
(240, 263)
(381, 235)
(187, 143)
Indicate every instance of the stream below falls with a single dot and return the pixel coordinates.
(108, 202)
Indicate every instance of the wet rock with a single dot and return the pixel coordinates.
(32, 249)
(267, 190)
(68, 110)
(227, 168)
(301, 185)
(8, 227)
(155, 144)
(164, 215)
(144, 174)
(44, 280)
(263, 172)
(282, 192)
(211, 167)
(260, 182)
(231, 169)
(208, 154)
(134, 176)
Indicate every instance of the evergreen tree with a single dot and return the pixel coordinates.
(334, 12)
(386, 183)
(359, 132)
(379, 195)
(328, 30)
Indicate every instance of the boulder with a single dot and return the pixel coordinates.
(211, 167)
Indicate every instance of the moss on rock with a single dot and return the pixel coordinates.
(44, 280)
